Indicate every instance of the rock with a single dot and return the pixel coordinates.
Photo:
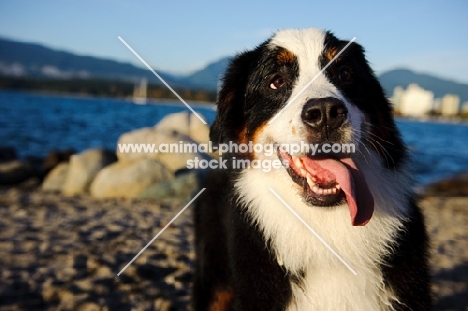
(15, 171)
(129, 178)
(187, 124)
(55, 180)
(182, 186)
(55, 157)
(88, 306)
(160, 139)
(7, 154)
(456, 186)
(104, 272)
(49, 292)
(66, 298)
(162, 305)
(83, 168)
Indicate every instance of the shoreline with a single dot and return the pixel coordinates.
(434, 119)
(151, 101)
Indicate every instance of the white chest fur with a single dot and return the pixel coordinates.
(328, 284)
(335, 288)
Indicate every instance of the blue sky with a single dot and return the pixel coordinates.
(181, 36)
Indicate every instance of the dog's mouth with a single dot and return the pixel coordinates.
(331, 182)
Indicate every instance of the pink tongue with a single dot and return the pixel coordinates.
(351, 181)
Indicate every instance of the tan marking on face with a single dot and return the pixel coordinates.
(331, 52)
(222, 301)
(254, 137)
(243, 139)
(285, 57)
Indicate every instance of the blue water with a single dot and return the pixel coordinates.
(34, 124)
(438, 150)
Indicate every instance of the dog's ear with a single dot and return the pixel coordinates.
(231, 99)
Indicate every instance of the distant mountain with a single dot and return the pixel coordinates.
(209, 76)
(34, 60)
(440, 87)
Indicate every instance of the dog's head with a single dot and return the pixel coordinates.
(288, 91)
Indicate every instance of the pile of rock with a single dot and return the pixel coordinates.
(76, 176)
(145, 174)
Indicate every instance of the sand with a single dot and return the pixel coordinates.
(59, 253)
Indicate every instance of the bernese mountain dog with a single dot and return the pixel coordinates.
(252, 252)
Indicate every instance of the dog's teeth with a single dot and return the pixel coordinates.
(309, 181)
(304, 173)
(334, 190)
(337, 187)
(297, 162)
(315, 189)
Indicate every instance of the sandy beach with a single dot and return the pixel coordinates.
(62, 253)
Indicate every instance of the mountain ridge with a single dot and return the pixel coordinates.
(439, 86)
(39, 61)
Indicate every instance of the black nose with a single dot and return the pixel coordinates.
(326, 112)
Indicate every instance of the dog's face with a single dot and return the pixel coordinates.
(276, 94)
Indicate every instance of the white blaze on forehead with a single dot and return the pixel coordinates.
(306, 44)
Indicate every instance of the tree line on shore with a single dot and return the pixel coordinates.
(102, 88)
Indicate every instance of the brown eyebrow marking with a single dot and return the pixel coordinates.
(331, 52)
(223, 301)
(285, 57)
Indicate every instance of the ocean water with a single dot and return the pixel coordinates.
(34, 124)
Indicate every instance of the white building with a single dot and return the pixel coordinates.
(450, 105)
(396, 99)
(416, 101)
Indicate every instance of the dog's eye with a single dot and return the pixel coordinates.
(344, 75)
(276, 82)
